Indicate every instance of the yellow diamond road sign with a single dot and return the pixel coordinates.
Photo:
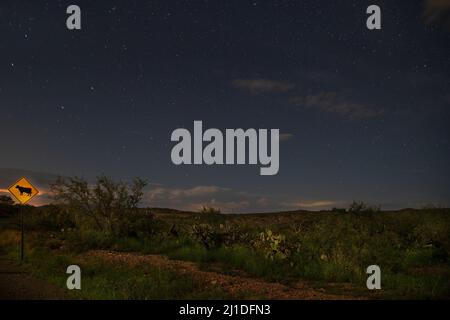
(23, 190)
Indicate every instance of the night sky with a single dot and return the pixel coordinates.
(364, 115)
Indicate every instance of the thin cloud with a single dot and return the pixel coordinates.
(229, 200)
(223, 206)
(43, 198)
(171, 194)
(318, 204)
(258, 86)
(194, 198)
(437, 11)
(333, 103)
(286, 136)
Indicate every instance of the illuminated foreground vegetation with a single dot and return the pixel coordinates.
(327, 249)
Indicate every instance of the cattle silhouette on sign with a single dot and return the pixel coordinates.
(24, 190)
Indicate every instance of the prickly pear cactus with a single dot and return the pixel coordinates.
(272, 245)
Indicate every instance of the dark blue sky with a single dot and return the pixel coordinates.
(364, 114)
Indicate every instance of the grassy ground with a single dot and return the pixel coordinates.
(328, 249)
(106, 280)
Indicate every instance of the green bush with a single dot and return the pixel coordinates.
(209, 210)
(272, 245)
(6, 200)
(8, 210)
(107, 206)
(50, 218)
(86, 239)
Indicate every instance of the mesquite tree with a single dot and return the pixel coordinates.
(106, 205)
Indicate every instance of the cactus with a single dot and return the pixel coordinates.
(272, 245)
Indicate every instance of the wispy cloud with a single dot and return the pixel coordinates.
(332, 102)
(43, 198)
(229, 200)
(258, 86)
(40, 180)
(194, 198)
(224, 206)
(286, 136)
(172, 194)
(437, 11)
(317, 204)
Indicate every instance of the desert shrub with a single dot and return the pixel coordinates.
(229, 234)
(253, 262)
(433, 231)
(237, 256)
(50, 218)
(359, 207)
(420, 257)
(190, 253)
(339, 210)
(9, 238)
(339, 248)
(204, 234)
(246, 258)
(107, 206)
(217, 235)
(5, 199)
(209, 210)
(89, 239)
(272, 245)
(416, 286)
(8, 210)
(139, 225)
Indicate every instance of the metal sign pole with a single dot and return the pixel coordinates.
(22, 246)
(23, 191)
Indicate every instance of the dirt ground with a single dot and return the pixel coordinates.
(16, 284)
(256, 288)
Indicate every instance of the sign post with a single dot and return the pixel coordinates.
(23, 191)
(22, 231)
